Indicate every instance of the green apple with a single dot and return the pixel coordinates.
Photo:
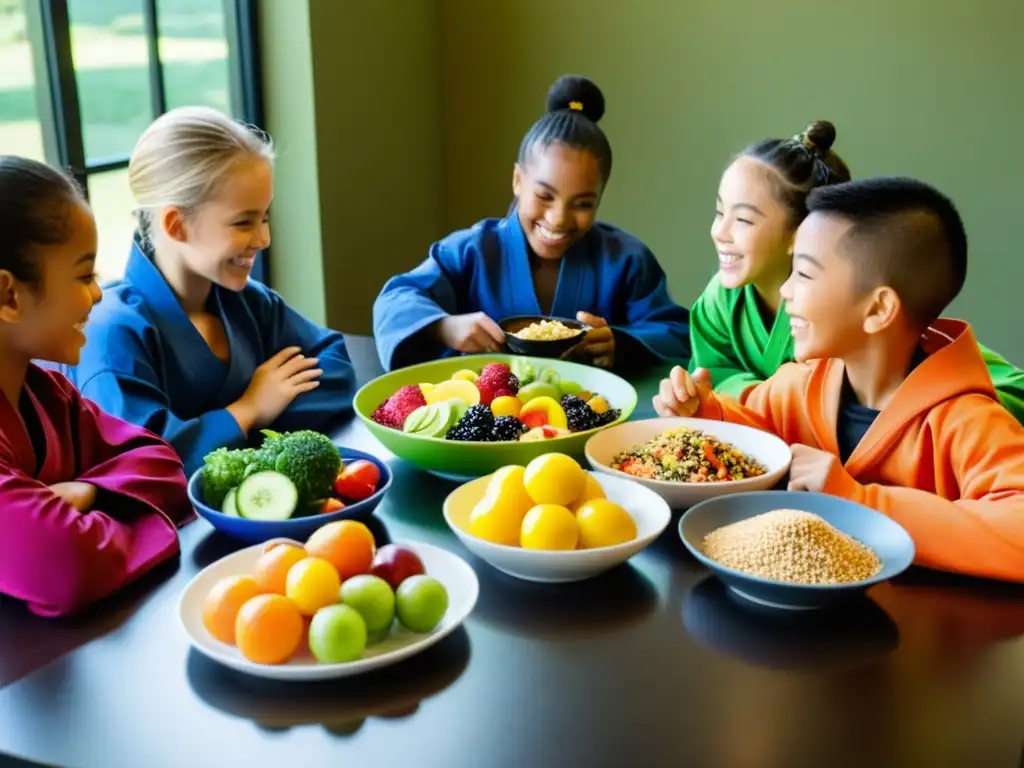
(569, 387)
(373, 598)
(539, 389)
(337, 634)
(422, 602)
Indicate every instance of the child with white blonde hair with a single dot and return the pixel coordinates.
(186, 344)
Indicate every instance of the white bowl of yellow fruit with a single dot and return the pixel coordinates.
(551, 521)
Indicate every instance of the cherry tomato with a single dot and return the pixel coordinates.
(358, 480)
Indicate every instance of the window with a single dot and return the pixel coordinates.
(21, 131)
(90, 75)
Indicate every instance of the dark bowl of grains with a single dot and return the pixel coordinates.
(795, 551)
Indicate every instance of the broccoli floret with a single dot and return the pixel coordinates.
(223, 470)
(308, 458)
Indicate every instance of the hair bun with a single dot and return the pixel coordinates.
(819, 135)
(577, 93)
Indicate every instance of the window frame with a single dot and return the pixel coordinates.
(49, 32)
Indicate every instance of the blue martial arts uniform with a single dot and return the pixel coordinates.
(145, 362)
(487, 269)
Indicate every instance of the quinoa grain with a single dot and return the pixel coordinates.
(793, 546)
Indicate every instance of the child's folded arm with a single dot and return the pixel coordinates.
(129, 462)
(60, 560)
(982, 532)
(141, 401)
(319, 408)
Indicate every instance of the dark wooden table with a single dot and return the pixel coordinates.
(651, 664)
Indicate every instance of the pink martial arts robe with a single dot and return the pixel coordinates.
(52, 556)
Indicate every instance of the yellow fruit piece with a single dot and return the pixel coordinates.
(591, 490)
(554, 414)
(506, 405)
(554, 478)
(311, 584)
(426, 388)
(498, 516)
(586, 396)
(465, 375)
(604, 523)
(598, 404)
(551, 527)
(465, 391)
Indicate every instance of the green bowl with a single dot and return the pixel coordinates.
(461, 461)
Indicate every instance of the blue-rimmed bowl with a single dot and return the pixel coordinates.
(299, 528)
(889, 540)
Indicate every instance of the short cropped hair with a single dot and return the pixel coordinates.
(906, 235)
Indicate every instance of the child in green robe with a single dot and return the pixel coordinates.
(739, 330)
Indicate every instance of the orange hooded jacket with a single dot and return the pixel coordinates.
(944, 459)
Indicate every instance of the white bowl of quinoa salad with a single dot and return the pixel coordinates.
(686, 461)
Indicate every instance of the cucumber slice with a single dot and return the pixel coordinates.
(229, 507)
(267, 496)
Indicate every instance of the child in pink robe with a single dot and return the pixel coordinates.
(88, 502)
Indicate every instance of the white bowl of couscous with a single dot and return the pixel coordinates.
(686, 461)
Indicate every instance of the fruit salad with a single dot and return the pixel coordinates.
(333, 596)
(498, 404)
(551, 504)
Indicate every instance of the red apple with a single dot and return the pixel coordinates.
(357, 480)
(395, 564)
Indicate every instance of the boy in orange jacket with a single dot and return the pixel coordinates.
(888, 405)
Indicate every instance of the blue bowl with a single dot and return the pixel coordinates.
(298, 528)
(889, 540)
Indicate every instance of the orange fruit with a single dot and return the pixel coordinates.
(268, 630)
(346, 544)
(222, 604)
(272, 568)
(312, 583)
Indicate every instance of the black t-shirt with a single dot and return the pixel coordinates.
(855, 419)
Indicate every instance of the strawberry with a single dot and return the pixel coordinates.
(496, 380)
(393, 411)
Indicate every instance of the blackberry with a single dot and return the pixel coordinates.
(507, 428)
(608, 416)
(477, 416)
(474, 426)
(578, 414)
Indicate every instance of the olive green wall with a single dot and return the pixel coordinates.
(923, 87)
(352, 91)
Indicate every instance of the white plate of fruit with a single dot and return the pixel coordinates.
(331, 607)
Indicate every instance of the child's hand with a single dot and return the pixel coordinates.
(599, 343)
(471, 333)
(810, 468)
(81, 496)
(681, 394)
(274, 385)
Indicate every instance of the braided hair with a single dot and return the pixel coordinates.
(801, 164)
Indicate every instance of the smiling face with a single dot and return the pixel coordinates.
(220, 239)
(752, 230)
(829, 318)
(47, 321)
(557, 193)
